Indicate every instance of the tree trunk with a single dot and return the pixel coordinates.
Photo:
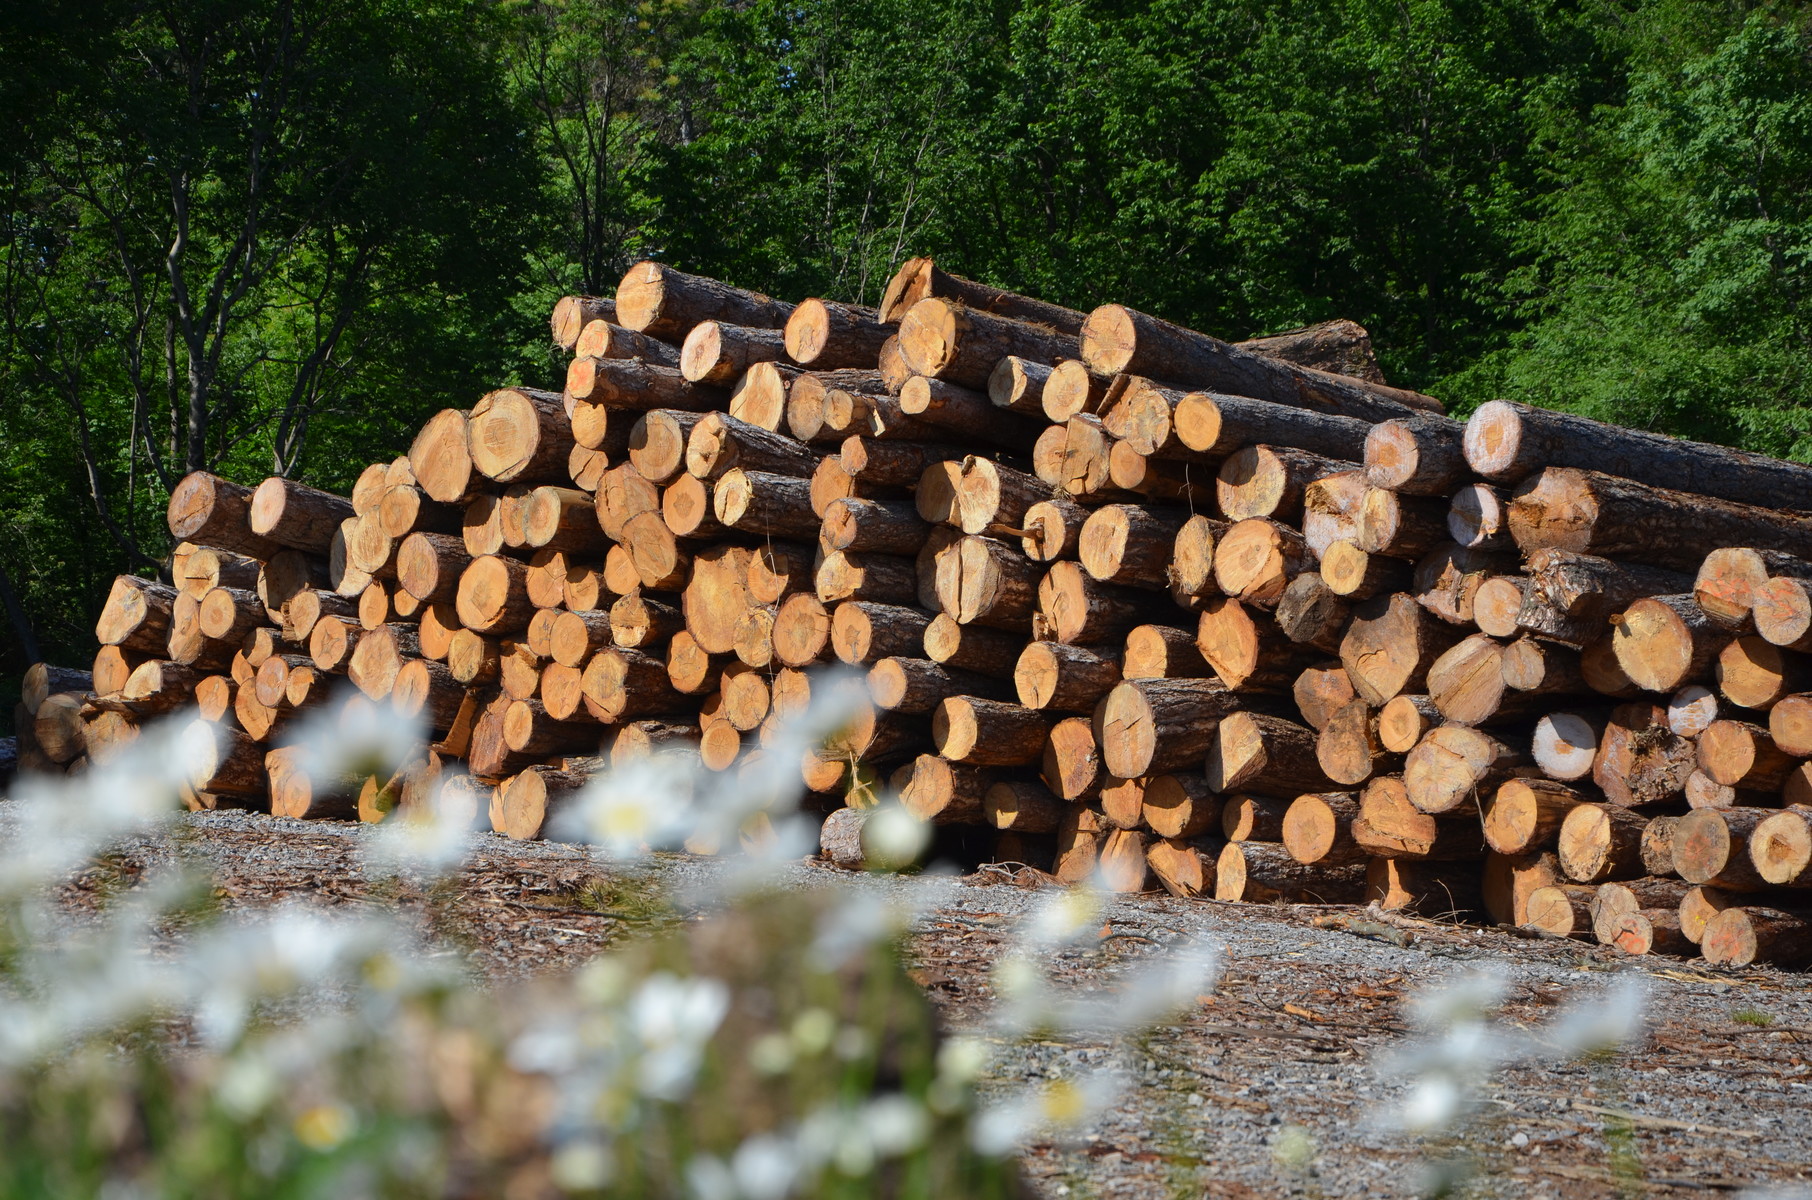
(1422, 455)
(1149, 726)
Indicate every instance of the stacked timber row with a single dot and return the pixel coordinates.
(1236, 620)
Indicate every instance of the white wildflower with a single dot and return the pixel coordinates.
(1058, 1109)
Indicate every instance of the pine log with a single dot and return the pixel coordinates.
(1600, 842)
(520, 435)
(1073, 390)
(1434, 890)
(1561, 910)
(801, 634)
(1070, 763)
(603, 338)
(1526, 814)
(1390, 645)
(1117, 339)
(1478, 517)
(1260, 872)
(1253, 818)
(1421, 455)
(1404, 721)
(1318, 829)
(1752, 673)
(563, 519)
(872, 527)
(880, 578)
(1711, 848)
(1612, 903)
(207, 567)
(1268, 481)
(1783, 613)
(1456, 767)
(920, 278)
(655, 299)
(1661, 642)
(1021, 805)
(935, 404)
(1740, 937)
(985, 732)
(944, 340)
(1018, 384)
(136, 615)
(572, 314)
(761, 502)
(1498, 605)
(1057, 677)
(1447, 580)
(1543, 668)
(1789, 723)
(1162, 652)
(210, 511)
(1320, 690)
(632, 384)
(918, 685)
(627, 684)
(1594, 513)
(1256, 559)
(1266, 754)
(1566, 744)
(1150, 726)
(1247, 650)
(1353, 574)
(1741, 755)
(1130, 544)
(1780, 847)
(1212, 426)
(1640, 760)
(718, 352)
(1348, 749)
(112, 666)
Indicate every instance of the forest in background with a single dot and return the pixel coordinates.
(272, 236)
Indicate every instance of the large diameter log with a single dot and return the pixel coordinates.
(1783, 612)
(657, 300)
(1422, 455)
(379, 657)
(1076, 608)
(1751, 673)
(441, 457)
(1594, 513)
(1260, 872)
(1455, 767)
(136, 615)
(1347, 745)
(57, 729)
(1117, 339)
(1662, 642)
(492, 595)
(943, 792)
(945, 340)
(1256, 752)
(1711, 848)
(211, 511)
(989, 494)
(1467, 682)
(520, 435)
(1150, 726)
(1390, 645)
(1507, 442)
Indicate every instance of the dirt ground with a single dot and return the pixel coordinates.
(1268, 1089)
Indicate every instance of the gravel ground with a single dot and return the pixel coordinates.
(1267, 1089)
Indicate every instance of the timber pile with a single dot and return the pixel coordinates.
(1236, 620)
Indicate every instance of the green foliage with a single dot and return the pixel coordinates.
(1600, 205)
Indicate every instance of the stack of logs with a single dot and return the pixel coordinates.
(1237, 619)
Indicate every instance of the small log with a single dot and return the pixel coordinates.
(1348, 749)
(935, 404)
(1404, 721)
(760, 502)
(657, 300)
(989, 494)
(1192, 556)
(471, 658)
(1600, 842)
(1162, 652)
(1789, 723)
(1497, 606)
(604, 338)
(1330, 509)
(1783, 613)
(919, 278)
(1022, 806)
(1561, 910)
(1310, 613)
(1076, 608)
(718, 352)
(1247, 650)
(136, 615)
(563, 519)
(1319, 691)
(1070, 763)
(945, 793)
(1658, 846)
(720, 443)
(223, 761)
(1018, 384)
(876, 578)
(627, 684)
(972, 647)
(635, 385)
(1354, 574)
(1740, 937)
(1213, 425)
(1184, 869)
(801, 634)
(1078, 845)
(572, 314)
(872, 527)
(1447, 581)
(1478, 517)
(918, 685)
(1057, 677)
(826, 335)
(1612, 902)
(1752, 673)
(944, 340)
(1740, 755)
(1543, 668)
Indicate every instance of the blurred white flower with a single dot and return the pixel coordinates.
(673, 1018)
(1155, 993)
(632, 809)
(1068, 917)
(1469, 997)
(433, 840)
(1600, 1023)
(335, 745)
(1059, 1109)
(765, 1167)
(893, 839)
